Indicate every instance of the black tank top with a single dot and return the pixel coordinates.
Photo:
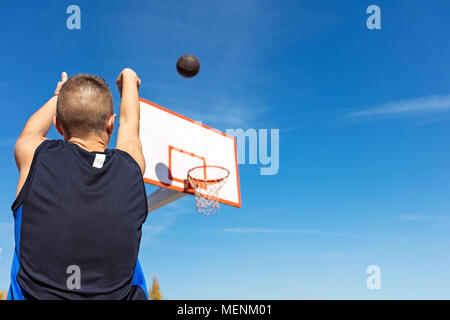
(82, 209)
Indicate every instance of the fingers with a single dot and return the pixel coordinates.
(127, 76)
(139, 81)
(129, 73)
(58, 87)
(119, 80)
(60, 83)
(119, 83)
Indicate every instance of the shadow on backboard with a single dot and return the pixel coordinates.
(163, 174)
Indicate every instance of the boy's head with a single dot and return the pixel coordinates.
(85, 108)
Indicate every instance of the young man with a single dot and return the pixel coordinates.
(80, 206)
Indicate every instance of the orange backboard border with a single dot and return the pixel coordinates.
(190, 190)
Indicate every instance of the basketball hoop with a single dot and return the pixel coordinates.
(207, 182)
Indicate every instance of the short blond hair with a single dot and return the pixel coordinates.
(84, 104)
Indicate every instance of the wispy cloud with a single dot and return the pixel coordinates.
(435, 104)
(422, 218)
(6, 227)
(162, 219)
(6, 236)
(153, 230)
(222, 112)
(229, 54)
(231, 115)
(285, 231)
(7, 142)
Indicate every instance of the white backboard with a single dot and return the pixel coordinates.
(173, 144)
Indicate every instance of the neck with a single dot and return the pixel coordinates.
(90, 144)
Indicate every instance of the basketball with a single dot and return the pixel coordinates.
(188, 66)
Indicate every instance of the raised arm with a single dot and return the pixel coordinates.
(128, 135)
(33, 134)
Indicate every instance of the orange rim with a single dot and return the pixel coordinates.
(203, 181)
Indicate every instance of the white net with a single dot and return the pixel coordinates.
(207, 182)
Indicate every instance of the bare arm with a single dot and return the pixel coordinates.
(33, 134)
(128, 135)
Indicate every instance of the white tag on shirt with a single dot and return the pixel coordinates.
(99, 160)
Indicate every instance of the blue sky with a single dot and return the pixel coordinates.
(364, 116)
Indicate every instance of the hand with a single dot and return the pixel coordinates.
(127, 76)
(60, 83)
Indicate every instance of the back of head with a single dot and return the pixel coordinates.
(84, 105)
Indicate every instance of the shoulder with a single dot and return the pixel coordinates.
(27, 146)
(134, 151)
(49, 145)
(129, 159)
(25, 149)
(26, 152)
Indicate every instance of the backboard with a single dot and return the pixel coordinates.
(173, 144)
